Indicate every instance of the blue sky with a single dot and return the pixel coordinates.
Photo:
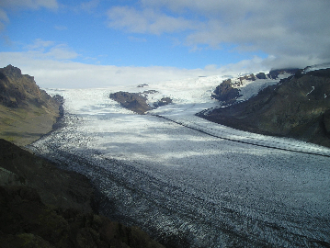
(60, 41)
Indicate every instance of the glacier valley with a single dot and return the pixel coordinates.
(190, 182)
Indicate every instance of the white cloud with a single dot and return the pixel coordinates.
(40, 44)
(298, 28)
(3, 16)
(3, 19)
(89, 6)
(137, 39)
(60, 52)
(60, 28)
(43, 49)
(146, 21)
(29, 4)
(6, 5)
(52, 73)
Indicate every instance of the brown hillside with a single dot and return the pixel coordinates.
(26, 112)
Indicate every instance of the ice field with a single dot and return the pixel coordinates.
(188, 180)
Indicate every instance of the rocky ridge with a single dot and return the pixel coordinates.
(297, 107)
(26, 111)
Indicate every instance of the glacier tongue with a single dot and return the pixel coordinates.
(185, 179)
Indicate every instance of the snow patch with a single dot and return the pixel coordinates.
(316, 67)
(313, 88)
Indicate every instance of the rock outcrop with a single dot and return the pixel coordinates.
(162, 102)
(45, 207)
(261, 75)
(26, 112)
(132, 101)
(298, 107)
(138, 102)
(225, 92)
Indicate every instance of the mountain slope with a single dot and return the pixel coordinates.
(298, 107)
(26, 112)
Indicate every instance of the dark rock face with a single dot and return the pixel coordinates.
(325, 123)
(42, 206)
(261, 75)
(162, 102)
(137, 102)
(64, 189)
(297, 107)
(133, 101)
(225, 92)
(26, 222)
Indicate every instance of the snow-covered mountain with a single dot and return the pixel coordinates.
(190, 182)
(297, 107)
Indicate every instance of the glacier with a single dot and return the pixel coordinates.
(190, 182)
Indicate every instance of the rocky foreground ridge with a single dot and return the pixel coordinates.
(297, 107)
(26, 111)
(45, 207)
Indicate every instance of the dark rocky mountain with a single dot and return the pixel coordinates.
(45, 207)
(26, 111)
(227, 93)
(297, 107)
(137, 102)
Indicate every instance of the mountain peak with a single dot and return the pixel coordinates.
(10, 70)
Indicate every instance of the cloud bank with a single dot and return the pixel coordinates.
(291, 33)
(51, 72)
(296, 28)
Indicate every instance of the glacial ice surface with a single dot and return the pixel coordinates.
(181, 177)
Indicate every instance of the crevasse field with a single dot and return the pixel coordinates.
(192, 182)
